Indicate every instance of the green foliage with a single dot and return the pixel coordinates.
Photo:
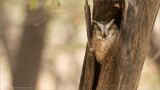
(33, 4)
(58, 3)
(46, 0)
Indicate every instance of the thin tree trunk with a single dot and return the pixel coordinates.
(125, 60)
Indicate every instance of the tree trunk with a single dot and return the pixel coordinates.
(29, 55)
(135, 19)
(25, 60)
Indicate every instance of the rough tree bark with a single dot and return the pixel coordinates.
(135, 19)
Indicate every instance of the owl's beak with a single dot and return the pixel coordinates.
(103, 35)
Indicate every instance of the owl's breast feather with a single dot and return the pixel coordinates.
(102, 49)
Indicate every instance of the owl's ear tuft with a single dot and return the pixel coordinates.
(98, 24)
(95, 21)
(111, 22)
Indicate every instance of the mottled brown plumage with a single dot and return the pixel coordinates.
(104, 35)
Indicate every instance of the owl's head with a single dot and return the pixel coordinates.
(104, 30)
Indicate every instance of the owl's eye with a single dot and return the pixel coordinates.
(99, 29)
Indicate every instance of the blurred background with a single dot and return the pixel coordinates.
(42, 46)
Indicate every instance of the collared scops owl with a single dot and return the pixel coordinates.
(103, 38)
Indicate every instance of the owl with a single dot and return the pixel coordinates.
(103, 38)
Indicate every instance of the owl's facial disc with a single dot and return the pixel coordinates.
(104, 30)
